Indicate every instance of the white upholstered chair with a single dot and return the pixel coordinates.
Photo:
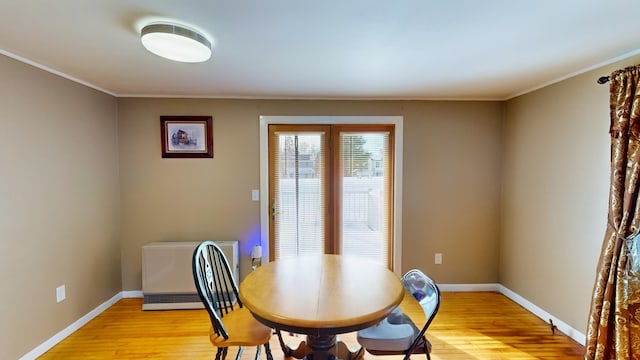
(398, 334)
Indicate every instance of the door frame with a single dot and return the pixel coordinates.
(397, 121)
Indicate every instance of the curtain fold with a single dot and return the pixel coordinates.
(613, 330)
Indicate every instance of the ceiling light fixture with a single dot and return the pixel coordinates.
(175, 42)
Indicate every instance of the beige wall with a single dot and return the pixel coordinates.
(555, 192)
(60, 203)
(512, 192)
(451, 180)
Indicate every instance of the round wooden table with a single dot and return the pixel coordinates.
(321, 296)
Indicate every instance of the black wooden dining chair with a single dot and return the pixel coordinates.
(231, 323)
(398, 334)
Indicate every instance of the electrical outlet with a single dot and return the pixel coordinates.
(61, 293)
(438, 258)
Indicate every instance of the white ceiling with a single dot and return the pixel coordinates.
(326, 49)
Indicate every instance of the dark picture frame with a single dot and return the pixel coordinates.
(186, 136)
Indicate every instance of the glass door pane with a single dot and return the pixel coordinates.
(365, 194)
(330, 188)
(298, 191)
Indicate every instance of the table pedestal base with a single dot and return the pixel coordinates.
(322, 348)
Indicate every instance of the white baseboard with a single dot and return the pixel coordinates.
(132, 294)
(576, 335)
(469, 287)
(55, 339)
(542, 314)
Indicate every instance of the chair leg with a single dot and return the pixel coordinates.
(299, 353)
(285, 349)
(258, 348)
(221, 353)
(267, 350)
(240, 349)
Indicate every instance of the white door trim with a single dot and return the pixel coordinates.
(265, 121)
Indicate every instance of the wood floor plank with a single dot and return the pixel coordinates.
(469, 325)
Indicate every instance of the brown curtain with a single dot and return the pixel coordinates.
(613, 330)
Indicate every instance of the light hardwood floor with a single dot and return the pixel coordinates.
(468, 326)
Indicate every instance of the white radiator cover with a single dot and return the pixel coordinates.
(167, 278)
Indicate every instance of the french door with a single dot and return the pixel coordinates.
(331, 190)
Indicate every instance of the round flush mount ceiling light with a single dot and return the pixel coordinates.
(175, 42)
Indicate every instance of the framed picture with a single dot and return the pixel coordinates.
(186, 136)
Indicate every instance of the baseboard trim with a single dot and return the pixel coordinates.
(132, 294)
(469, 287)
(576, 335)
(55, 339)
(534, 309)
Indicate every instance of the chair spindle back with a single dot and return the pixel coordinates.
(215, 284)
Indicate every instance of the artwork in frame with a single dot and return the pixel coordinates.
(186, 136)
